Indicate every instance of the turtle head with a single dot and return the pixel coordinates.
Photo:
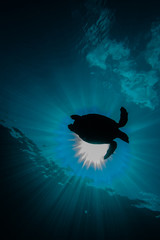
(73, 128)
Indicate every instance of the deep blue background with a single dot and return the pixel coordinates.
(78, 57)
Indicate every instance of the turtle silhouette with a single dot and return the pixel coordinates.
(99, 129)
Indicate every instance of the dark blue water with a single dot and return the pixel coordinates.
(59, 59)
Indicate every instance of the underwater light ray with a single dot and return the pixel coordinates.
(90, 154)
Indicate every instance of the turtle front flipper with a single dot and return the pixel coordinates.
(111, 149)
(74, 117)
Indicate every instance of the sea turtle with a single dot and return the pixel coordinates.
(99, 129)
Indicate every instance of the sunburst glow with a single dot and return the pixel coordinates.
(90, 154)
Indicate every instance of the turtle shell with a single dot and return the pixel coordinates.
(95, 128)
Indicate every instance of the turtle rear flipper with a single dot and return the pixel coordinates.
(111, 149)
(123, 118)
(123, 136)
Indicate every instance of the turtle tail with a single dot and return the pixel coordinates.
(123, 118)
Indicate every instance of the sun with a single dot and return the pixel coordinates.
(90, 154)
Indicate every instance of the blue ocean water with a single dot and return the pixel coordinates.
(78, 58)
